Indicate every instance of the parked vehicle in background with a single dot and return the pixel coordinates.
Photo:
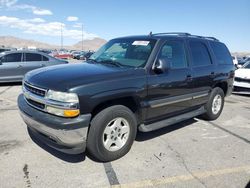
(15, 64)
(63, 55)
(242, 79)
(81, 54)
(85, 55)
(155, 81)
(235, 60)
(4, 49)
(75, 54)
(44, 51)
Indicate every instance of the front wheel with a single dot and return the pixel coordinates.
(215, 104)
(111, 133)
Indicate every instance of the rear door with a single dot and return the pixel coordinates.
(32, 61)
(11, 67)
(203, 70)
(169, 93)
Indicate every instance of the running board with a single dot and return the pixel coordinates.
(171, 121)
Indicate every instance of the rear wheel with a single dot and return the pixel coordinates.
(111, 133)
(214, 105)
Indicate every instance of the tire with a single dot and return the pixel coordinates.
(212, 112)
(98, 142)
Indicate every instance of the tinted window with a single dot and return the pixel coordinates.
(45, 58)
(33, 57)
(174, 53)
(200, 54)
(247, 66)
(221, 53)
(15, 57)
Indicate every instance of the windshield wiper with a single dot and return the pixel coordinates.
(115, 63)
(93, 60)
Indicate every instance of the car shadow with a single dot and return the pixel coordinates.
(71, 158)
(77, 158)
(142, 136)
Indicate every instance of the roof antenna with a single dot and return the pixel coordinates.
(150, 34)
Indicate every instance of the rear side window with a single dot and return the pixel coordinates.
(33, 57)
(15, 57)
(200, 54)
(45, 58)
(174, 53)
(221, 53)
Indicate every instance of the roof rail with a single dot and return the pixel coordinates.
(183, 34)
(172, 33)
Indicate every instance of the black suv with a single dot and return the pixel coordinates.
(132, 83)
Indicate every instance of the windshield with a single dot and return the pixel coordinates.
(125, 52)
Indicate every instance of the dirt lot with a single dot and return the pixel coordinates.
(195, 153)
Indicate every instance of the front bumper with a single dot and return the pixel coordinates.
(68, 135)
(241, 87)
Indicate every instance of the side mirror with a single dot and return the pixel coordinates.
(161, 66)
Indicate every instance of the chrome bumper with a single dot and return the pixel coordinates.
(56, 131)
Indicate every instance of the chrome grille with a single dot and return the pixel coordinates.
(35, 90)
(34, 96)
(241, 79)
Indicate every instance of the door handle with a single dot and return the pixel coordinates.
(212, 74)
(189, 78)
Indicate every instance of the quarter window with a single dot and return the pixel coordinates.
(200, 54)
(45, 58)
(33, 57)
(221, 53)
(174, 53)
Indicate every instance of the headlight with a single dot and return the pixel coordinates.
(63, 112)
(62, 96)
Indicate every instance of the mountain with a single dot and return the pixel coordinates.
(90, 44)
(10, 41)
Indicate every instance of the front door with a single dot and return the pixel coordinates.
(170, 93)
(11, 67)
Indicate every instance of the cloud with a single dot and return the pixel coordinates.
(39, 26)
(72, 18)
(77, 25)
(7, 3)
(37, 20)
(13, 5)
(35, 10)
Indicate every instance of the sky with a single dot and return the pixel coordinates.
(42, 20)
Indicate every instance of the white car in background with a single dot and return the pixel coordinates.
(235, 60)
(242, 79)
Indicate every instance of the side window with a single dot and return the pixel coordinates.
(200, 54)
(15, 57)
(44, 58)
(33, 57)
(174, 53)
(221, 53)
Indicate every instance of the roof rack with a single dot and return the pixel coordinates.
(183, 34)
(172, 33)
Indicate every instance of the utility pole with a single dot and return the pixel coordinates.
(61, 37)
(82, 36)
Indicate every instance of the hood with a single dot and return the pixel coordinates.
(65, 77)
(242, 73)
